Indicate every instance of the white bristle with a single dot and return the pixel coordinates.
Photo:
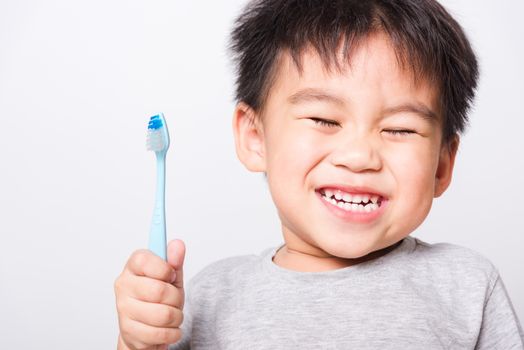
(155, 140)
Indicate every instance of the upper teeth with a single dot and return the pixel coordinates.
(354, 198)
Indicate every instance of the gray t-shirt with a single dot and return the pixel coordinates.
(418, 296)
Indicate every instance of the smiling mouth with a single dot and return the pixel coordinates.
(358, 203)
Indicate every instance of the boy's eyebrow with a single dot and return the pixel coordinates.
(418, 108)
(311, 94)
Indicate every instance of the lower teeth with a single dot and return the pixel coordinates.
(358, 208)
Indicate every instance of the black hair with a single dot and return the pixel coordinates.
(424, 35)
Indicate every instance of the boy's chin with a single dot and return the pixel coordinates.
(361, 251)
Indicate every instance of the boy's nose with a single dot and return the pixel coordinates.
(357, 153)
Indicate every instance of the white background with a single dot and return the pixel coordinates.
(78, 82)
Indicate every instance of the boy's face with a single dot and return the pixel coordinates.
(327, 138)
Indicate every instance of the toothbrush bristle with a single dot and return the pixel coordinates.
(155, 123)
(156, 134)
(155, 140)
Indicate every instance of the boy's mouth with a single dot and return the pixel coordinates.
(357, 201)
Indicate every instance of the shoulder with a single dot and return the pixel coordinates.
(227, 272)
(448, 254)
(453, 262)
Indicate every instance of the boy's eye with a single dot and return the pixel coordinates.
(400, 132)
(325, 122)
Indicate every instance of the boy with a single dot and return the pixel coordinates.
(352, 109)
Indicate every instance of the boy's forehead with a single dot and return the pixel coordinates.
(373, 60)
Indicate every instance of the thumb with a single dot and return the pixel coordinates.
(176, 250)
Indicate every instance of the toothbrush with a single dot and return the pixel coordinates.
(158, 141)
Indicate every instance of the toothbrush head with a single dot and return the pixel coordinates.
(157, 134)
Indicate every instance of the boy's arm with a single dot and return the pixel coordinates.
(500, 325)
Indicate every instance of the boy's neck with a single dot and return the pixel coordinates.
(308, 261)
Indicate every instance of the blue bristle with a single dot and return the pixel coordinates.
(155, 123)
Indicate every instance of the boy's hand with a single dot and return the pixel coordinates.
(150, 298)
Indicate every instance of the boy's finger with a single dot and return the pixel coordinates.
(156, 315)
(155, 291)
(145, 263)
(176, 251)
(148, 335)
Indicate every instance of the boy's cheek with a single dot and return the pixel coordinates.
(413, 170)
(418, 154)
(296, 149)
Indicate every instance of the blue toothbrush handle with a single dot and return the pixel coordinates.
(157, 234)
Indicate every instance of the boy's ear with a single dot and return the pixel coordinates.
(249, 138)
(446, 162)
